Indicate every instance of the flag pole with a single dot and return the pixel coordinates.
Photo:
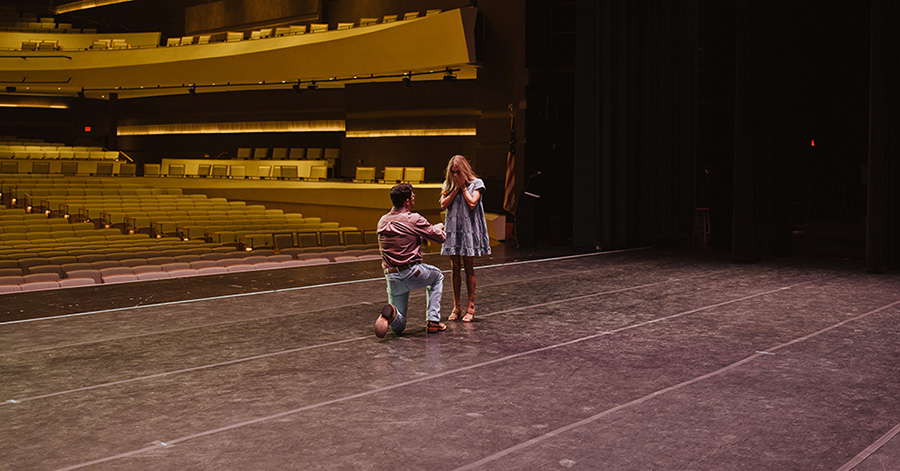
(510, 199)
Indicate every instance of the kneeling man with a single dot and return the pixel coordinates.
(401, 233)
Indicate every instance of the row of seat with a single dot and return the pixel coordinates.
(64, 266)
(316, 172)
(12, 18)
(53, 181)
(58, 204)
(259, 231)
(284, 153)
(40, 223)
(284, 172)
(94, 249)
(74, 275)
(68, 167)
(304, 238)
(43, 27)
(129, 197)
(219, 226)
(44, 146)
(32, 195)
(110, 249)
(391, 174)
(90, 210)
(108, 187)
(59, 153)
(263, 33)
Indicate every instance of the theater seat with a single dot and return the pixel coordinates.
(318, 172)
(72, 282)
(112, 279)
(393, 174)
(127, 170)
(176, 170)
(365, 174)
(105, 169)
(219, 171)
(152, 275)
(280, 153)
(39, 285)
(413, 174)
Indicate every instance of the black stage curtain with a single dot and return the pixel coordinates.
(883, 224)
(635, 123)
(766, 128)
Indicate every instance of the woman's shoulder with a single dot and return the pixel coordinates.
(477, 183)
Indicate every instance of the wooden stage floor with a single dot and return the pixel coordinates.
(634, 360)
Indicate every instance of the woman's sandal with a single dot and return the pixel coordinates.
(470, 315)
(454, 314)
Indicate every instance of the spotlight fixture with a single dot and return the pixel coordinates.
(10, 89)
(312, 86)
(407, 82)
(81, 94)
(296, 87)
(448, 75)
(193, 90)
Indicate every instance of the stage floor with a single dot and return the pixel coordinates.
(630, 360)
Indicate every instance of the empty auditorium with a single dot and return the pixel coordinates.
(449, 235)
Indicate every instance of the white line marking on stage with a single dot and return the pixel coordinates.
(871, 449)
(251, 319)
(284, 352)
(187, 370)
(463, 369)
(187, 301)
(660, 392)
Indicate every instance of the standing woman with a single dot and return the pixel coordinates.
(467, 234)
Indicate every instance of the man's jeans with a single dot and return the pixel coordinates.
(417, 276)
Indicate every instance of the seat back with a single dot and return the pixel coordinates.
(393, 174)
(318, 172)
(176, 170)
(365, 174)
(413, 174)
(151, 170)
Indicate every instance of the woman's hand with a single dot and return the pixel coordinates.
(460, 181)
(471, 198)
(448, 198)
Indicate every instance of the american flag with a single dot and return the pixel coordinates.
(509, 195)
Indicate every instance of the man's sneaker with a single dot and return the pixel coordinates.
(384, 320)
(434, 326)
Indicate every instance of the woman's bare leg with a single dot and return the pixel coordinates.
(469, 263)
(456, 280)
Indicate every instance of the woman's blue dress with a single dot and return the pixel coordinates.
(467, 233)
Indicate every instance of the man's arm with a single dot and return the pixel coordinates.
(434, 233)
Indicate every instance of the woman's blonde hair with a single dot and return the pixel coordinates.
(463, 166)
